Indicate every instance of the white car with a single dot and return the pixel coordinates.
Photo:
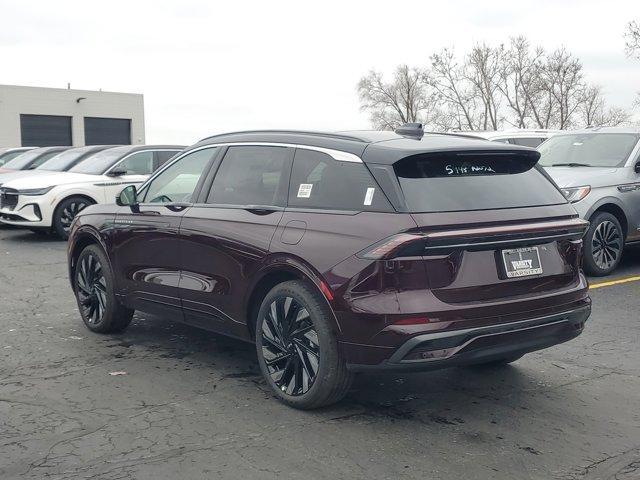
(61, 162)
(524, 137)
(51, 201)
(7, 154)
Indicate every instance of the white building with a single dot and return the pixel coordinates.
(34, 116)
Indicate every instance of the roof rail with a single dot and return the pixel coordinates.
(413, 130)
(289, 132)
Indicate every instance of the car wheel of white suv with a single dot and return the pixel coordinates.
(66, 212)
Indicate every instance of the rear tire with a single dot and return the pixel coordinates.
(65, 212)
(297, 348)
(93, 284)
(603, 245)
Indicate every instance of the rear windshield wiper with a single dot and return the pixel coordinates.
(570, 165)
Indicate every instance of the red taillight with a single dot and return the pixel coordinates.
(390, 247)
(412, 321)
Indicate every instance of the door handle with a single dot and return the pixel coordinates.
(261, 209)
(177, 206)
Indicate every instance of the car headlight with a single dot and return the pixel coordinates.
(575, 194)
(35, 191)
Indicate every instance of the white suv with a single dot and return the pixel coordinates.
(51, 201)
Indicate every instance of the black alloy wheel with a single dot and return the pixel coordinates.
(290, 346)
(606, 245)
(66, 212)
(92, 289)
(603, 244)
(93, 283)
(69, 213)
(297, 347)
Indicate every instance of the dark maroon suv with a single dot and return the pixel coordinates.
(341, 253)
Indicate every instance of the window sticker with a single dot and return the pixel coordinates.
(368, 198)
(304, 191)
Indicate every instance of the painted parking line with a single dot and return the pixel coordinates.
(614, 282)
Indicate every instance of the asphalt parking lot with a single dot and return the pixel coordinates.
(190, 404)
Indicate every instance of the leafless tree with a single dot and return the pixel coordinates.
(632, 39)
(632, 45)
(519, 81)
(595, 113)
(456, 97)
(490, 86)
(562, 78)
(484, 68)
(390, 104)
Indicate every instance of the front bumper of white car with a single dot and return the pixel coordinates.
(24, 210)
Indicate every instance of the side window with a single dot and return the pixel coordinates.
(319, 181)
(162, 156)
(251, 176)
(140, 163)
(178, 181)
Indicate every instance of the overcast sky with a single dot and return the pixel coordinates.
(206, 67)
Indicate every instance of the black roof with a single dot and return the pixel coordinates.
(381, 147)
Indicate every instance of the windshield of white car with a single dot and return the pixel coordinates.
(587, 150)
(65, 160)
(102, 161)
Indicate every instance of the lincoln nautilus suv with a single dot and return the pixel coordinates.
(338, 253)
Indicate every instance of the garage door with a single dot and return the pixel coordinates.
(107, 131)
(45, 130)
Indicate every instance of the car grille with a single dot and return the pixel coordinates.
(8, 198)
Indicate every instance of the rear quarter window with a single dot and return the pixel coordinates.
(320, 182)
(449, 182)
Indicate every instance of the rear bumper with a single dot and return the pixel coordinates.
(439, 350)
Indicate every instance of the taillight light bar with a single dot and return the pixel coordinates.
(391, 246)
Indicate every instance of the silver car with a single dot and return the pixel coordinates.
(598, 170)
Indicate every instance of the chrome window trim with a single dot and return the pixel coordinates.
(335, 154)
(136, 152)
(338, 155)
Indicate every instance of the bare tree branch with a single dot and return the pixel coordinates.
(405, 99)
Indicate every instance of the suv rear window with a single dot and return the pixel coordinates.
(449, 182)
(319, 181)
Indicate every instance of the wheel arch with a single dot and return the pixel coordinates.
(279, 270)
(81, 240)
(614, 207)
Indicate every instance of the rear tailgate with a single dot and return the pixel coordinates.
(467, 261)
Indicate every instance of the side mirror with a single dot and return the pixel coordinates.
(128, 197)
(117, 172)
(637, 167)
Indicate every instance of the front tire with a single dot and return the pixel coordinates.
(65, 212)
(93, 284)
(604, 242)
(297, 347)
